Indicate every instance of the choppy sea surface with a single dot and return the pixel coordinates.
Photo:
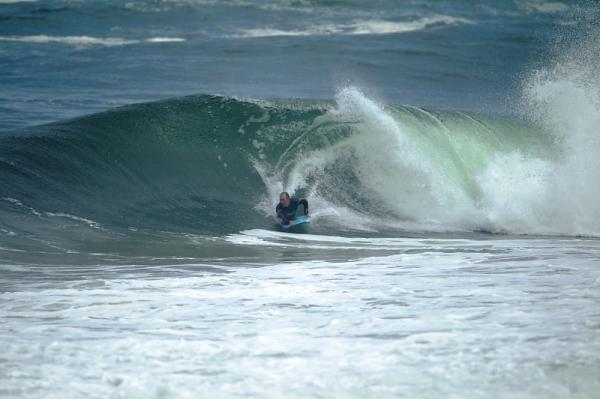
(448, 151)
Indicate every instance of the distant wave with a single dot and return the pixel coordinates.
(367, 27)
(545, 7)
(88, 40)
(165, 40)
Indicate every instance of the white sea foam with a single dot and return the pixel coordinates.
(512, 185)
(268, 32)
(364, 27)
(82, 41)
(565, 99)
(165, 40)
(429, 322)
(260, 237)
(525, 194)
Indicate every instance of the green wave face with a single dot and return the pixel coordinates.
(183, 163)
(213, 165)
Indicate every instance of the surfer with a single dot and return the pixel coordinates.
(286, 209)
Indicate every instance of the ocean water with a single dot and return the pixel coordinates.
(448, 150)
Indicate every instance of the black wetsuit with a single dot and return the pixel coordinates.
(289, 212)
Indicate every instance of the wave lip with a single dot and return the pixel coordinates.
(365, 27)
(88, 40)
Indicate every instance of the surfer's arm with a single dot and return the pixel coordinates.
(305, 205)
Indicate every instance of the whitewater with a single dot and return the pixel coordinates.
(448, 151)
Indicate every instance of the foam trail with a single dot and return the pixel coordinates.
(364, 27)
(88, 40)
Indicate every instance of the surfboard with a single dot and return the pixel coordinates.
(298, 220)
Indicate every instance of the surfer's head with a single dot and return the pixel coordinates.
(284, 199)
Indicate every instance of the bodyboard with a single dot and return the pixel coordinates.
(298, 220)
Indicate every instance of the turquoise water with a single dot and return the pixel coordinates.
(448, 151)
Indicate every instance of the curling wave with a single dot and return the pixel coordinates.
(214, 165)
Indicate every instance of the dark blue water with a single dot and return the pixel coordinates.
(59, 59)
